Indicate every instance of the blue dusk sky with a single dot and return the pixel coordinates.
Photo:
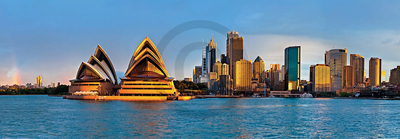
(52, 38)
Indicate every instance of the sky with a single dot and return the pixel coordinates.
(52, 38)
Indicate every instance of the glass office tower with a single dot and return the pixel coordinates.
(292, 68)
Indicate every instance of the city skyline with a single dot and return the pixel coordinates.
(41, 42)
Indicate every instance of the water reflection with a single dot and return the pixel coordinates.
(200, 118)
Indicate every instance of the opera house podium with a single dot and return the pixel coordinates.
(146, 74)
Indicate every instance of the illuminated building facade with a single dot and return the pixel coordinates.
(336, 59)
(146, 74)
(96, 77)
(274, 74)
(348, 76)
(357, 61)
(218, 68)
(242, 80)
(292, 68)
(375, 68)
(211, 55)
(234, 50)
(224, 69)
(39, 81)
(395, 76)
(258, 69)
(321, 78)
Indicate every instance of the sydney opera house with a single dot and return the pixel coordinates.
(146, 75)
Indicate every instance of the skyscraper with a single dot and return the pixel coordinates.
(224, 69)
(292, 67)
(395, 76)
(274, 74)
(217, 68)
(234, 50)
(212, 55)
(321, 78)
(39, 81)
(196, 74)
(375, 68)
(357, 61)
(336, 59)
(348, 76)
(242, 80)
(258, 68)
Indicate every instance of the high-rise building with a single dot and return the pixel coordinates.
(348, 76)
(321, 78)
(395, 76)
(234, 50)
(242, 81)
(375, 68)
(274, 74)
(258, 68)
(212, 55)
(224, 69)
(223, 59)
(196, 74)
(336, 59)
(357, 61)
(39, 81)
(292, 67)
(383, 76)
(218, 68)
(224, 84)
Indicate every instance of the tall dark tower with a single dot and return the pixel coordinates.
(212, 54)
(292, 68)
(234, 50)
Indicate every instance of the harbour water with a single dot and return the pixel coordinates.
(41, 116)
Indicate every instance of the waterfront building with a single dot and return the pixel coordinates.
(39, 81)
(224, 84)
(242, 80)
(321, 80)
(97, 76)
(394, 78)
(146, 74)
(234, 50)
(357, 61)
(292, 68)
(375, 68)
(348, 76)
(336, 59)
(274, 74)
(258, 69)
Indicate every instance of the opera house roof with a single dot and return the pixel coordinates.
(146, 62)
(99, 67)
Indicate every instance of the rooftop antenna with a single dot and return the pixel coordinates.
(212, 35)
(204, 55)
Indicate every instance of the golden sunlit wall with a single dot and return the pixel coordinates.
(39, 81)
(375, 71)
(242, 81)
(225, 69)
(357, 61)
(258, 68)
(321, 78)
(217, 68)
(348, 76)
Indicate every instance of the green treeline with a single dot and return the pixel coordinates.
(183, 85)
(59, 90)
